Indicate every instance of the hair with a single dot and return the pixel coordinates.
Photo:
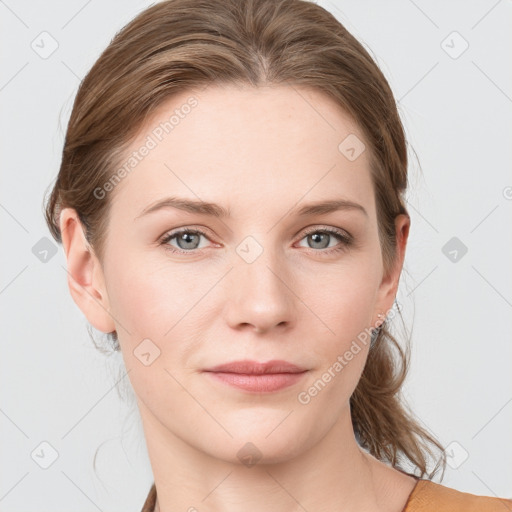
(178, 45)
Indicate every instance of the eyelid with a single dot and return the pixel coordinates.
(329, 229)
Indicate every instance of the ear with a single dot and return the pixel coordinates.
(85, 275)
(389, 284)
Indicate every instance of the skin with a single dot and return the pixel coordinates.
(261, 152)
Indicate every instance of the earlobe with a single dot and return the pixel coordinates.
(85, 277)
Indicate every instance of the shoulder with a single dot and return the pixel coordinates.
(430, 496)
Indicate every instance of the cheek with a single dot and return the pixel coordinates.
(345, 307)
(156, 304)
(149, 295)
(342, 295)
(343, 300)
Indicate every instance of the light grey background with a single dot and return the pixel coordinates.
(457, 111)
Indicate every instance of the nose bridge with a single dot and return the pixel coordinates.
(259, 265)
(258, 287)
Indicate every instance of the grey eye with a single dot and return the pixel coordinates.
(188, 240)
(320, 239)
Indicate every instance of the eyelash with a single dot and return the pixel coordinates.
(345, 239)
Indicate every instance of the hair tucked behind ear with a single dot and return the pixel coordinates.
(178, 45)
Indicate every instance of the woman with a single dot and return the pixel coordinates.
(231, 206)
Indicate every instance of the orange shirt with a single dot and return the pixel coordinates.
(427, 496)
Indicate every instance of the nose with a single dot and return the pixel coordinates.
(260, 297)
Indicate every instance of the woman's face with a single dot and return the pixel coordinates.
(268, 277)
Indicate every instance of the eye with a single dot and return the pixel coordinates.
(321, 238)
(187, 240)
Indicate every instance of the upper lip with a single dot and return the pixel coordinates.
(255, 368)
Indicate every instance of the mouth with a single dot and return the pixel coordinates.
(258, 377)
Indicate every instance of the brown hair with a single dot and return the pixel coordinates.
(177, 45)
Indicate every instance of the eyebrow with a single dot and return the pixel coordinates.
(215, 210)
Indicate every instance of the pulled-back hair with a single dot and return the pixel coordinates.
(178, 45)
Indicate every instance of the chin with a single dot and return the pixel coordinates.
(253, 445)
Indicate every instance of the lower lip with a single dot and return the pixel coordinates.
(260, 383)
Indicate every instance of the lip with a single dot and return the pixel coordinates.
(249, 367)
(258, 377)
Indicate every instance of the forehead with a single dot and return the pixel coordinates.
(246, 145)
